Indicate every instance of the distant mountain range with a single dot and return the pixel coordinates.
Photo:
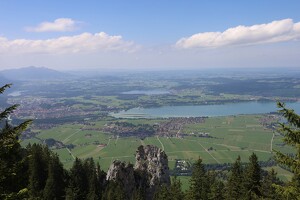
(33, 73)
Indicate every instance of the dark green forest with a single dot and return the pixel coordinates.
(35, 172)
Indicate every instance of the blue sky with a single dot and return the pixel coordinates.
(149, 34)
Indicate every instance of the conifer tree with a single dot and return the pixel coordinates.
(176, 192)
(55, 184)
(162, 193)
(114, 191)
(78, 183)
(101, 179)
(173, 192)
(216, 187)
(11, 159)
(234, 186)
(268, 188)
(253, 178)
(39, 157)
(291, 131)
(93, 184)
(198, 183)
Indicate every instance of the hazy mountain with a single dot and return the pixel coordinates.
(33, 73)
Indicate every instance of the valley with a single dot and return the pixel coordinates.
(80, 117)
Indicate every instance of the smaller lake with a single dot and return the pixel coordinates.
(15, 93)
(251, 107)
(147, 92)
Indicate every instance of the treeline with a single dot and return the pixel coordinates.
(243, 182)
(39, 174)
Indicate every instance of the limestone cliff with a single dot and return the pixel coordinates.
(150, 170)
(153, 161)
(124, 174)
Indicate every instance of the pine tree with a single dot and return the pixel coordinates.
(268, 188)
(216, 187)
(291, 131)
(114, 191)
(176, 192)
(198, 183)
(253, 178)
(55, 184)
(78, 183)
(162, 193)
(234, 186)
(39, 157)
(11, 159)
(173, 192)
(101, 179)
(138, 194)
(93, 189)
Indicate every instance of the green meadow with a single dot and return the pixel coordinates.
(230, 137)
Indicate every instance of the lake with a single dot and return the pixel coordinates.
(251, 107)
(15, 93)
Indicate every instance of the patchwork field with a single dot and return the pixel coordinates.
(228, 138)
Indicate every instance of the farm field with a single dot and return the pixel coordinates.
(228, 137)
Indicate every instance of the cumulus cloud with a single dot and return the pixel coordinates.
(83, 43)
(276, 31)
(58, 25)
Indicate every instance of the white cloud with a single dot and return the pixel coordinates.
(83, 43)
(59, 25)
(276, 31)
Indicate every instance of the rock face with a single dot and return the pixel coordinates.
(151, 169)
(124, 174)
(154, 161)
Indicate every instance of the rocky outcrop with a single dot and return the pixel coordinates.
(122, 173)
(153, 161)
(151, 169)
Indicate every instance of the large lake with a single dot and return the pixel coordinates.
(252, 107)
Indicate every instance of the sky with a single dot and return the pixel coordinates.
(149, 35)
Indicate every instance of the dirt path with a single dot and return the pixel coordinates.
(162, 145)
(67, 139)
(208, 152)
(271, 149)
(71, 153)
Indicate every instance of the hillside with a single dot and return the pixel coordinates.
(33, 73)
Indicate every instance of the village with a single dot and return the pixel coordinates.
(172, 127)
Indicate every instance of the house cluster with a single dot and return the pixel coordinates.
(174, 126)
(200, 134)
(124, 129)
(182, 168)
(51, 108)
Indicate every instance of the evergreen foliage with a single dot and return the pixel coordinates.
(268, 189)
(252, 176)
(11, 158)
(291, 131)
(174, 192)
(114, 191)
(198, 183)
(78, 182)
(39, 156)
(234, 186)
(55, 184)
(216, 187)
